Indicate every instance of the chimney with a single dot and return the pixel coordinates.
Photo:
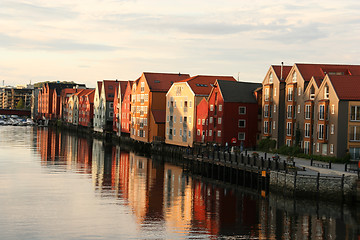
(282, 67)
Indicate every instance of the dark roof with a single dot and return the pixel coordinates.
(319, 71)
(238, 91)
(286, 70)
(202, 84)
(346, 87)
(159, 115)
(161, 82)
(58, 86)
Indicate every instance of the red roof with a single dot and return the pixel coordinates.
(159, 115)
(320, 70)
(346, 87)
(161, 82)
(286, 70)
(202, 84)
(91, 95)
(110, 87)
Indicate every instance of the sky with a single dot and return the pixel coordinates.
(90, 40)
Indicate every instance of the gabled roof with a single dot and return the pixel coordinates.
(202, 84)
(161, 82)
(319, 71)
(238, 91)
(110, 86)
(277, 69)
(159, 115)
(99, 87)
(58, 86)
(90, 96)
(123, 85)
(346, 87)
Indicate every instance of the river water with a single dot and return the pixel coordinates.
(54, 185)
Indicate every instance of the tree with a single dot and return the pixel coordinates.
(20, 104)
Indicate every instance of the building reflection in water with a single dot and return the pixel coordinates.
(161, 194)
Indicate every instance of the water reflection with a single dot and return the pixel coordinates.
(168, 204)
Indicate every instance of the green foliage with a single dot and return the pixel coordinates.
(290, 151)
(20, 104)
(266, 144)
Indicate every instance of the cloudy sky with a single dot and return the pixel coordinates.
(90, 40)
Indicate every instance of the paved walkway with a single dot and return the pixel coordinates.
(337, 169)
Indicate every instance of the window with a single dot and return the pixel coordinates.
(321, 112)
(326, 92)
(203, 122)
(199, 120)
(274, 108)
(180, 132)
(299, 91)
(190, 104)
(355, 113)
(219, 120)
(142, 88)
(181, 118)
(288, 128)
(318, 147)
(354, 133)
(174, 119)
(307, 111)
(167, 118)
(219, 133)
(189, 133)
(111, 114)
(307, 130)
(274, 92)
(331, 148)
(288, 142)
(211, 119)
(289, 111)
(242, 123)
(207, 122)
(270, 77)
(306, 147)
(332, 129)
(274, 124)
(299, 108)
(211, 108)
(266, 127)
(312, 93)
(210, 132)
(185, 119)
(241, 136)
(266, 110)
(333, 109)
(220, 108)
(242, 110)
(174, 131)
(266, 94)
(294, 77)
(290, 94)
(321, 131)
(189, 119)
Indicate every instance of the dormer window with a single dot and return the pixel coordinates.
(271, 78)
(294, 77)
(312, 93)
(326, 92)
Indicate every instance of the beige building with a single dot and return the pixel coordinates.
(181, 101)
(273, 102)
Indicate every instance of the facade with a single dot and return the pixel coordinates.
(148, 105)
(232, 114)
(202, 121)
(11, 96)
(86, 109)
(181, 101)
(273, 102)
(118, 100)
(126, 109)
(104, 105)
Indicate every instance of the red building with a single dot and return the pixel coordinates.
(232, 114)
(202, 122)
(126, 109)
(118, 100)
(49, 98)
(86, 109)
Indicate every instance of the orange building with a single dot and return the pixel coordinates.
(126, 109)
(148, 105)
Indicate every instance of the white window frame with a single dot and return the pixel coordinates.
(242, 121)
(243, 136)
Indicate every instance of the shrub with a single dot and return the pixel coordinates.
(266, 144)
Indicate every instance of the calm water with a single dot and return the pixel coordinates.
(58, 186)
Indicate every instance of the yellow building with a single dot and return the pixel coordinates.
(181, 101)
